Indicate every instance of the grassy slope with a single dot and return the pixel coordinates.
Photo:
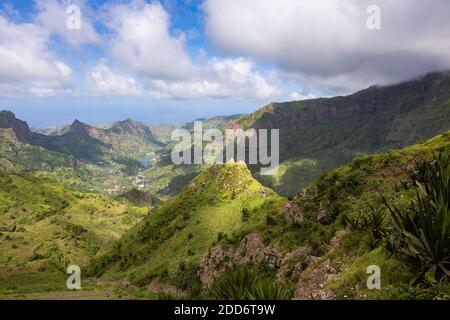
(167, 245)
(349, 190)
(173, 238)
(45, 226)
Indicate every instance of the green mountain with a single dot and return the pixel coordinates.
(320, 134)
(111, 159)
(139, 197)
(88, 158)
(223, 201)
(45, 226)
(223, 226)
(225, 220)
(324, 240)
(318, 246)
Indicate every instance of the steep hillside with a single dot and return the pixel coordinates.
(321, 134)
(221, 202)
(45, 226)
(321, 244)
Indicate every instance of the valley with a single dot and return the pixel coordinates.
(109, 200)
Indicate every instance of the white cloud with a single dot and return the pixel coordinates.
(104, 81)
(301, 96)
(53, 16)
(26, 64)
(328, 41)
(142, 44)
(219, 78)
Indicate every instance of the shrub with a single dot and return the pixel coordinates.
(352, 221)
(373, 220)
(270, 220)
(423, 228)
(243, 284)
(269, 290)
(245, 214)
(220, 236)
(232, 285)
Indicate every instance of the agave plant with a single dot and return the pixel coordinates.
(423, 228)
(373, 220)
(352, 221)
(269, 290)
(243, 284)
(233, 285)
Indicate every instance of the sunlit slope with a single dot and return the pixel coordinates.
(45, 226)
(221, 202)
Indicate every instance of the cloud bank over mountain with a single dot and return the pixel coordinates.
(328, 41)
(215, 49)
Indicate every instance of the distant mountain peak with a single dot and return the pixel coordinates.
(130, 126)
(77, 122)
(8, 120)
(7, 114)
(78, 126)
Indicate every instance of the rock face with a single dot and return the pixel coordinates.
(312, 283)
(251, 250)
(313, 272)
(20, 128)
(312, 286)
(293, 213)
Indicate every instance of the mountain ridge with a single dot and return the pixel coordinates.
(329, 132)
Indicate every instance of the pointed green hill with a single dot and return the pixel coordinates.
(221, 202)
(342, 231)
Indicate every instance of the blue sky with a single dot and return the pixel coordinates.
(172, 61)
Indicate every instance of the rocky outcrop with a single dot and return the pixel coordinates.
(293, 213)
(313, 273)
(312, 284)
(20, 128)
(251, 250)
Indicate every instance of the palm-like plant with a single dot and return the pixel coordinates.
(243, 284)
(232, 285)
(269, 290)
(373, 220)
(423, 228)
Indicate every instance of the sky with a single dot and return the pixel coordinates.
(173, 61)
